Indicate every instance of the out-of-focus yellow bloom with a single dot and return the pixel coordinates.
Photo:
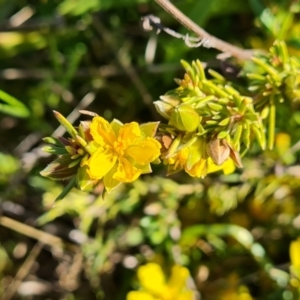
(155, 287)
(120, 152)
(295, 253)
(233, 290)
(194, 160)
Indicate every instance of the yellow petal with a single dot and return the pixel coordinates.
(151, 278)
(178, 278)
(228, 166)
(139, 296)
(109, 182)
(130, 133)
(188, 295)
(102, 132)
(198, 169)
(196, 152)
(126, 172)
(100, 163)
(295, 253)
(145, 151)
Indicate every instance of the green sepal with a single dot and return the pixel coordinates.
(84, 182)
(174, 147)
(266, 67)
(75, 161)
(256, 76)
(215, 106)
(211, 122)
(66, 124)
(55, 150)
(116, 126)
(225, 122)
(265, 112)
(218, 91)
(204, 100)
(246, 135)
(163, 108)
(259, 136)
(59, 168)
(271, 125)
(149, 129)
(53, 141)
(199, 69)
(237, 136)
(217, 75)
(188, 68)
(81, 141)
(222, 134)
(109, 182)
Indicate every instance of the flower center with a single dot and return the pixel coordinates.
(119, 147)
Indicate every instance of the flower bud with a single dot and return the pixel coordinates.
(292, 87)
(218, 150)
(184, 118)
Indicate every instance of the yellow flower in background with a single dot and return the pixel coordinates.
(121, 152)
(154, 285)
(295, 253)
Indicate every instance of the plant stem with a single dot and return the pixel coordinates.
(212, 40)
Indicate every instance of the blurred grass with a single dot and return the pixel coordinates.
(53, 54)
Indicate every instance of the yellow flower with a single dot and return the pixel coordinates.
(155, 287)
(295, 253)
(195, 161)
(121, 152)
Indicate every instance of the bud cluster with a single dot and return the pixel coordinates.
(210, 124)
(275, 82)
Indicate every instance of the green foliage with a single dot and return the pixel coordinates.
(12, 106)
(232, 231)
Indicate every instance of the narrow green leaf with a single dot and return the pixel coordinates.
(13, 106)
(66, 190)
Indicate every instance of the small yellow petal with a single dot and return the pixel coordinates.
(228, 166)
(102, 132)
(152, 278)
(130, 133)
(100, 163)
(145, 151)
(139, 296)
(126, 172)
(198, 169)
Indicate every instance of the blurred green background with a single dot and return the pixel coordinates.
(232, 232)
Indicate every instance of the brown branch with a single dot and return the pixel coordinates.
(202, 34)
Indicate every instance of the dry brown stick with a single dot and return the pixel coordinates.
(43, 237)
(23, 271)
(212, 40)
